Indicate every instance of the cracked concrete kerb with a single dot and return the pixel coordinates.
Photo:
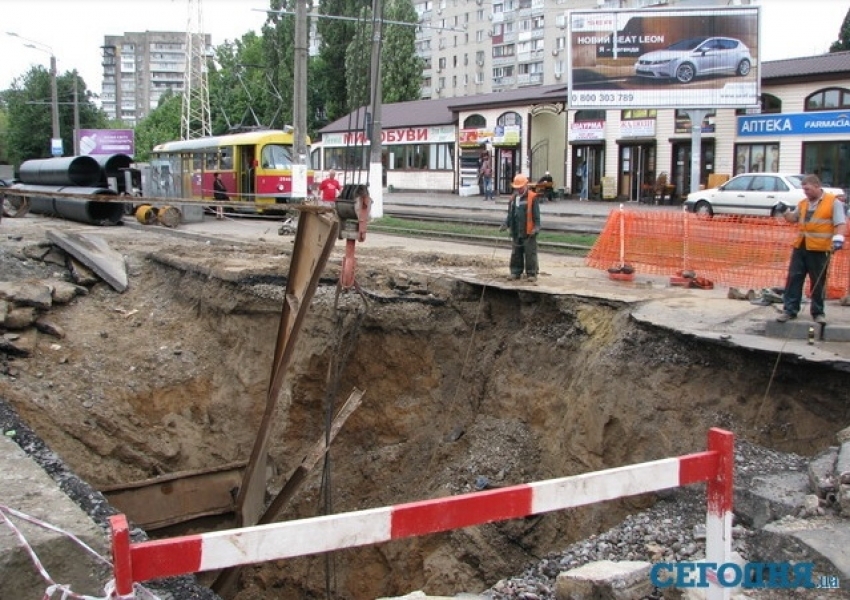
(26, 488)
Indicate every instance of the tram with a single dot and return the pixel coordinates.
(255, 166)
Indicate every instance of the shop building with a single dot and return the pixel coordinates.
(803, 125)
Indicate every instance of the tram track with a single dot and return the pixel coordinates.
(503, 241)
(483, 219)
(474, 219)
(556, 224)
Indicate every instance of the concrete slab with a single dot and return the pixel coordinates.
(740, 323)
(771, 497)
(25, 487)
(95, 253)
(823, 541)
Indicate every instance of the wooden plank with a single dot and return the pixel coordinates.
(178, 497)
(314, 241)
(225, 582)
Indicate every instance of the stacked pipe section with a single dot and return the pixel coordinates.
(50, 180)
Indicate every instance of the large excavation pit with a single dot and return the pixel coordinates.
(469, 383)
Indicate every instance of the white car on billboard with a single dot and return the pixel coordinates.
(752, 194)
(696, 57)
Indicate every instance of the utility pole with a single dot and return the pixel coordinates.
(376, 167)
(299, 103)
(56, 143)
(76, 117)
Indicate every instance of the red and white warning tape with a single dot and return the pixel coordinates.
(222, 549)
(54, 588)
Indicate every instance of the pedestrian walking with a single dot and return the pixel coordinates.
(330, 188)
(523, 222)
(581, 175)
(486, 175)
(219, 193)
(820, 232)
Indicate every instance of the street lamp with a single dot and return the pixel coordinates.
(56, 142)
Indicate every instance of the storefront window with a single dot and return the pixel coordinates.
(683, 122)
(347, 159)
(828, 160)
(431, 157)
(756, 158)
(633, 114)
(768, 103)
(829, 99)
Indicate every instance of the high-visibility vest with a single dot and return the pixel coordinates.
(816, 232)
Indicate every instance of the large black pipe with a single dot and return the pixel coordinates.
(68, 170)
(111, 166)
(74, 209)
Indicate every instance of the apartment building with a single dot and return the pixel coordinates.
(475, 47)
(138, 68)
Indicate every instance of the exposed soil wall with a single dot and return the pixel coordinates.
(466, 388)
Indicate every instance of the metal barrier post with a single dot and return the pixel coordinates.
(718, 519)
(121, 565)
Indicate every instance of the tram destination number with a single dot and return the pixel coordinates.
(602, 98)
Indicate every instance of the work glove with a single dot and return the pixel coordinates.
(503, 227)
(837, 242)
(782, 208)
(535, 231)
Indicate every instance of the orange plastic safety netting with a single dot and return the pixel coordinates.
(745, 252)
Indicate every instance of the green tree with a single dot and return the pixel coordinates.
(358, 63)
(4, 132)
(278, 49)
(161, 125)
(241, 93)
(328, 73)
(843, 42)
(30, 123)
(401, 68)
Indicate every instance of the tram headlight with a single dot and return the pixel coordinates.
(280, 187)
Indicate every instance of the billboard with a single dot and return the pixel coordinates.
(95, 142)
(664, 58)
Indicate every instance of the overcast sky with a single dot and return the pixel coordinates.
(74, 29)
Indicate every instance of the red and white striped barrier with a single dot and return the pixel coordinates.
(222, 549)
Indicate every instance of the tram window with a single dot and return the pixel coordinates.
(197, 162)
(211, 162)
(226, 159)
(275, 156)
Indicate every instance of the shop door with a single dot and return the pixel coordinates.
(681, 171)
(594, 156)
(637, 171)
(507, 161)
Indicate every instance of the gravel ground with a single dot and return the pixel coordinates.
(672, 530)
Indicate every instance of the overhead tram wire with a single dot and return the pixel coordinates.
(357, 19)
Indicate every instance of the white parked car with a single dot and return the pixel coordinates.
(695, 57)
(752, 194)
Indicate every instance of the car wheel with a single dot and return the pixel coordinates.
(743, 68)
(685, 73)
(703, 209)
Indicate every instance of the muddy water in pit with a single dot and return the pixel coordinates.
(463, 386)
